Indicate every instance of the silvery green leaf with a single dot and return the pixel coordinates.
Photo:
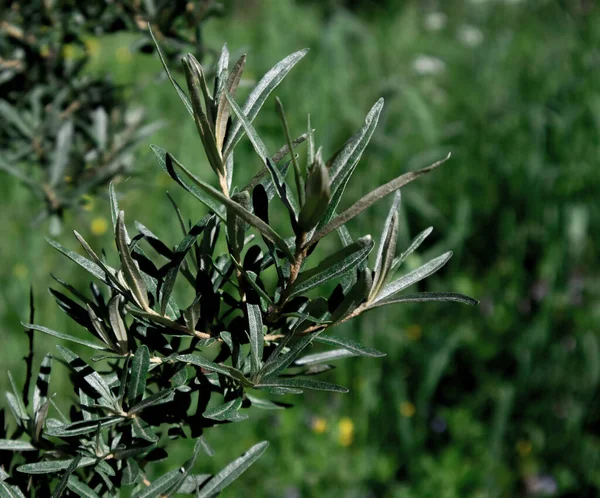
(85, 263)
(200, 361)
(15, 445)
(52, 466)
(164, 396)
(195, 77)
(100, 329)
(64, 141)
(207, 200)
(282, 188)
(413, 277)
(92, 377)
(255, 326)
(137, 379)
(387, 248)
(62, 485)
(7, 491)
(323, 357)
(259, 95)
(82, 427)
(252, 219)
(354, 297)
(345, 161)
(111, 273)
(117, 324)
(414, 245)
(66, 337)
(81, 489)
(40, 390)
(223, 110)
(192, 483)
(222, 72)
(286, 130)
(350, 345)
(160, 485)
(301, 384)
(226, 411)
(131, 271)
(280, 360)
(422, 297)
(131, 472)
(333, 266)
(184, 98)
(114, 205)
(232, 471)
(142, 430)
(178, 257)
(369, 199)
(185, 470)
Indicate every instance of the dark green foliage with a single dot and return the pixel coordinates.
(176, 367)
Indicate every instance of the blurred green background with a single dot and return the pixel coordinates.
(496, 401)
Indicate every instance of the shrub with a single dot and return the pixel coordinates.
(66, 132)
(236, 331)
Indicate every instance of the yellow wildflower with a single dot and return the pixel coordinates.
(123, 55)
(319, 425)
(414, 332)
(523, 447)
(407, 409)
(99, 226)
(346, 431)
(20, 271)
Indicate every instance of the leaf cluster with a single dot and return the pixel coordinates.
(255, 321)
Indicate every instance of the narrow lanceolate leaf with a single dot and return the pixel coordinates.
(182, 95)
(92, 377)
(286, 130)
(164, 396)
(255, 326)
(64, 141)
(200, 361)
(52, 466)
(81, 489)
(414, 245)
(222, 70)
(114, 204)
(131, 271)
(223, 111)
(62, 485)
(283, 190)
(85, 263)
(279, 360)
(350, 345)
(66, 337)
(246, 215)
(178, 257)
(187, 467)
(205, 199)
(160, 485)
(414, 276)
(370, 199)
(14, 445)
(108, 271)
(232, 471)
(342, 261)
(15, 401)
(422, 297)
(387, 248)
(301, 384)
(137, 379)
(117, 324)
(324, 357)
(259, 95)
(7, 491)
(228, 411)
(40, 390)
(345, 161)
(194, 78)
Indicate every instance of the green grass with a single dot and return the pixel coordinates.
(468, 402)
